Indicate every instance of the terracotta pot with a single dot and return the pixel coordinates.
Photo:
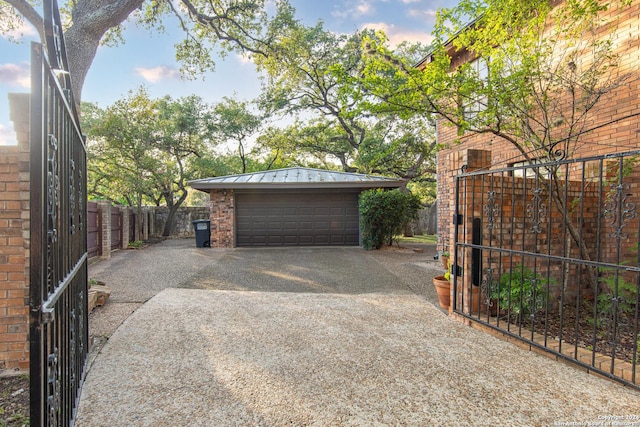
(473, 294)
(443, 289)
(445, 262)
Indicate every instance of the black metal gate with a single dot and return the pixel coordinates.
(548, 254)
(58, 262)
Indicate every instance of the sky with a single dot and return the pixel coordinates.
(148, 59)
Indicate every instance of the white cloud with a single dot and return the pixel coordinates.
(429, 14)
(398, 35)
(22, 31)
(156, 74)
(355, 9)
(7, 135)
(244, 58)
(411, 1)
(15, 75)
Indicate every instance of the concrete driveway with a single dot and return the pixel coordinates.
(317, 337)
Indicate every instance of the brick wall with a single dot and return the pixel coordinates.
(512, 223)
(14, 242)
(222, 218)
(523, 221)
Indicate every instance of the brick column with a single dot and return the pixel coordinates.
(125, 226)
(105, 214)
(146, 224)
(222, 211)
(14, 241)
(467, 160)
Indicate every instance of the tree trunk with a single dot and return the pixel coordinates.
(173, 208)
(166, 232)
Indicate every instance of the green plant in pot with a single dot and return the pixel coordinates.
(444, 257)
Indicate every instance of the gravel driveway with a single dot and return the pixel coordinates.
(317, 337)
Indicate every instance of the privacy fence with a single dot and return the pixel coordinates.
(111, 227)
(548, 255)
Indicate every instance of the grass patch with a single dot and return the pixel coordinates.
(424, 238)
(138, 244)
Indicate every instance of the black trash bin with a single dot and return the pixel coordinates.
(203, 233)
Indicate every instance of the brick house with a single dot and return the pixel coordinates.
(546, 251)
(616, 129)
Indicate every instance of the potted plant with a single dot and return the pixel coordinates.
(444, 257)
(443, 289)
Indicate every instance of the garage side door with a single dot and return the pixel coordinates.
(293, 219)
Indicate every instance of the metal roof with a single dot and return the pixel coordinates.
(298, 178)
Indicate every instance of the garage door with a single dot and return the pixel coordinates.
(291, 219)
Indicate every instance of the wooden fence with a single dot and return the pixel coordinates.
(110, 228)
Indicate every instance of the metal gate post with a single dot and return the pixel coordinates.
(58, 236)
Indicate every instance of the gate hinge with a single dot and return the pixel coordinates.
(48, 315)
(456, 270)
(457, 219)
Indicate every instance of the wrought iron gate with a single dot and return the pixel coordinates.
(548, 254)
(58, 262)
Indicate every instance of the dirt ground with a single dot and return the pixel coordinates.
(14, 401)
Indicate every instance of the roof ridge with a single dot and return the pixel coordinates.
(297, 177)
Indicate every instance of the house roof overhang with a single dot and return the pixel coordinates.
(296, 178)
(449, 45)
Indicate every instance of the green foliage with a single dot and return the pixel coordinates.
(385, 213)
(531, 83)
(535, 74)
(211, 28)
(425, 188)
(315, 75)
(10, 21)
(618, 294)
(234, 122)
(143, 150)
(521, 292)
(136, 244)
(447, 274)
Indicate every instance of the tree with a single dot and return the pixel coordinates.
(184, 130)
(207, 24)
(537, 74)
(233, 122)
(119, 150)
(311, 71)
(142, 150)
(277, 147)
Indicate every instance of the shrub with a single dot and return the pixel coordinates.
(521, 292)
(137, 244)
(618, 293)
(385, 213)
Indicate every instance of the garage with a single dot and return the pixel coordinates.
(288, 207)
(297, 218)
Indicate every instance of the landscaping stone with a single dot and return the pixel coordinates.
(98, 295)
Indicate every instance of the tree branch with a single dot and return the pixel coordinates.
(30, 14)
